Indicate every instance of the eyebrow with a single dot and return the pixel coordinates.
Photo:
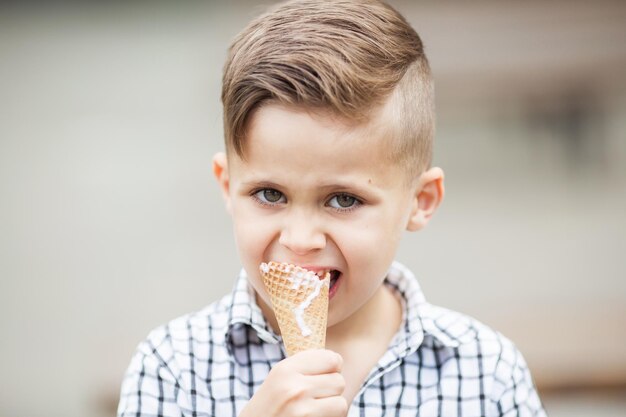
(349, 186)
(260, 183)
(329, 186)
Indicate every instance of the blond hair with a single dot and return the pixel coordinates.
(346, 57)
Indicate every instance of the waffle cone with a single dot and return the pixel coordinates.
(300, 301)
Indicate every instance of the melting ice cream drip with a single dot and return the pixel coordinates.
(308, 279)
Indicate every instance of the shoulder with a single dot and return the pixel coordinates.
(188, 335)
(476, 352)
(459, 330)
(469, 338)
(161, 372)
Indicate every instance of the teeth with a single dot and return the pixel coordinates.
(322, 274)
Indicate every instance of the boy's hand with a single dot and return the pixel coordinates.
(308, 383)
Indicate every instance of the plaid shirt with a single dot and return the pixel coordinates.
(440, 363)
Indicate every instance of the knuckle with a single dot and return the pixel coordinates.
(339, 360)
(341, 406)
(340, 381)
(335, 359)
(295, 392)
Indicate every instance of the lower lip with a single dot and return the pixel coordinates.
(333, 289)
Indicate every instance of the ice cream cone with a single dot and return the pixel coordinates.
(300, 301)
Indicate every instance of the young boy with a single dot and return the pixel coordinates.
(328, 116)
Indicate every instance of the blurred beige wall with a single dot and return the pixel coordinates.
(110, 223)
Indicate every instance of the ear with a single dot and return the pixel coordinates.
(428, 195)
(220, 170)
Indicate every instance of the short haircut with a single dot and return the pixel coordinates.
(346, 57)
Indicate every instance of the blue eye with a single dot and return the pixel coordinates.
(343, 202)
(269, 196)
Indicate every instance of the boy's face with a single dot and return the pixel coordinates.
(316, 193)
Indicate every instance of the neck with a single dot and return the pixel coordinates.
(379, 317)
(268, 313)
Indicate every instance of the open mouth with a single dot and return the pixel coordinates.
(334, 278)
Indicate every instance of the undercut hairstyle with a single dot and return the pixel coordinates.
(346, 57)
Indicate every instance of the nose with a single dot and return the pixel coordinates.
(301, 234)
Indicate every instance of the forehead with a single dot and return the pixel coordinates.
(296, 145)
(373, 132)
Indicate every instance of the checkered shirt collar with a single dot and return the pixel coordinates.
(417, 320)
(245, 312)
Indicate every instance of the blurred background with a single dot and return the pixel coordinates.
(111, 224)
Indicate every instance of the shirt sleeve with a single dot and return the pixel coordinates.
(514, 393)
(150, 388)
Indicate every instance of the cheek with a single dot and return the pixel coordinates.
(248, 228)
(372, 237)
(252, 238)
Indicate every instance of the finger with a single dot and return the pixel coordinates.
(330, 407)
(326, 385)
(316, 361)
